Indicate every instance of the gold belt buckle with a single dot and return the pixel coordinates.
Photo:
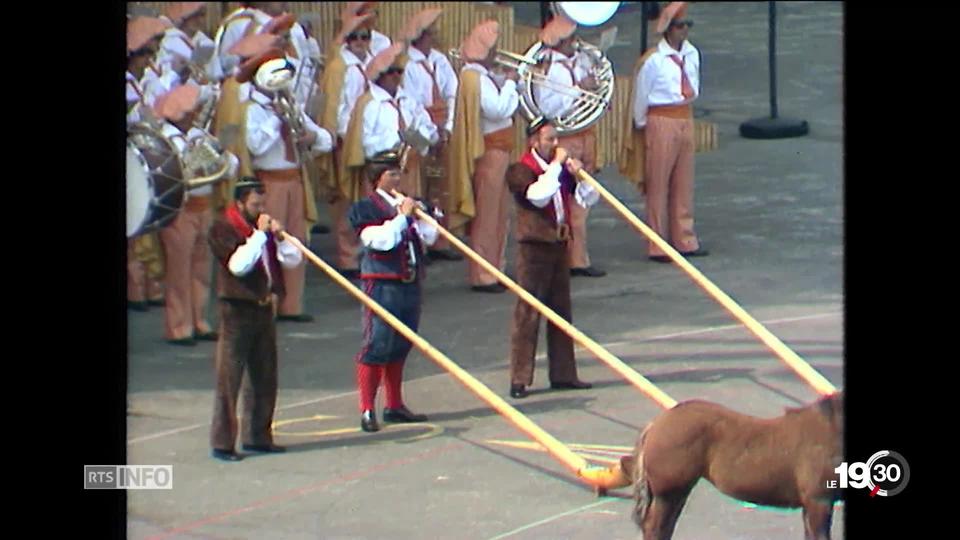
(563, 232)
(265, 302)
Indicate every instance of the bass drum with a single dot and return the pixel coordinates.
(155, 187)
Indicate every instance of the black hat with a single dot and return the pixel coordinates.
(538, 123)
(245, 183)
(387, 157)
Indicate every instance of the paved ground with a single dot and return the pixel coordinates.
(771, 212)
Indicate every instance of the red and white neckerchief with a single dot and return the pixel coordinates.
(558, 207)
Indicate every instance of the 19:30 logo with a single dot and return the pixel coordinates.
(886, 473)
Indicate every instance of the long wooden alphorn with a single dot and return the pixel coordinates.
(600, 478)
(617, 365)
(797, 364)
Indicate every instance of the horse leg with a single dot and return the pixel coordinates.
(817, 518)
(661, 518)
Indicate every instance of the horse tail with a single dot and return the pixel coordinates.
(641, 486)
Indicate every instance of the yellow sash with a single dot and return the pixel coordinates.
(631, 159)
(332, 87)
(352, 158)
(466, 146)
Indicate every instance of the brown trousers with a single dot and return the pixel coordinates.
(284, 201)
(669, 182)
(247, 346)
(346, 239)
(187, 277)
(488, 230)
(436, 186)
(581, 146)
(410, 182)
(543, 271)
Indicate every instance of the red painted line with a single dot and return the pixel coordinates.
(875, 490)
(299, 492)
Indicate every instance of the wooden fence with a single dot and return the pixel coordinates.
(453, 26)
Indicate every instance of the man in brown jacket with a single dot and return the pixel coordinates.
(544, 192)
(246, 243)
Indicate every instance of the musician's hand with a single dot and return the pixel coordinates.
(263, 222)
(444, 135)
(308, 138)
(561, 155)
(407, 206)
(276, 227)
(573, 165)
(589, 83)
(513, 75)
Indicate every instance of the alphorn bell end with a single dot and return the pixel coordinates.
(605, 478)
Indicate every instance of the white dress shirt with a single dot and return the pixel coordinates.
(354, 85)
(553, 103)
(181, 141)
(418, 83)
(659, 80)
(175, 43)
(255, 250)
(378, 42)
(547, 189)
(134, 98)
(497, 105)
(213, 67)
(386, 236)
(381, 121)
(156, 81)
(265, 138)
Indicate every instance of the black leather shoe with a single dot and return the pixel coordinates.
(320, 229)
(264, 448)
(660, 258)
(403, 415)
(225, 455)
(492, 288)
(444, 255)
(138, 306)
(368, 421)
(699, 252)
(587, 272)
(302, 317)
(573, 385)
(185, 342)
(518, 391)
(206, 336)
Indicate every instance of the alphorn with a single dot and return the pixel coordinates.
(797, 364)
(600, 478)
(603, 354)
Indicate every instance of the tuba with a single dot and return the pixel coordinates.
(588, 105)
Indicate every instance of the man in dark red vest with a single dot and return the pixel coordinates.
(545, 188)
(246, 243)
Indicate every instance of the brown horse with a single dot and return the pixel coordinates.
(783, 462)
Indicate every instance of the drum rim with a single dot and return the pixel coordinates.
(143, 128)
